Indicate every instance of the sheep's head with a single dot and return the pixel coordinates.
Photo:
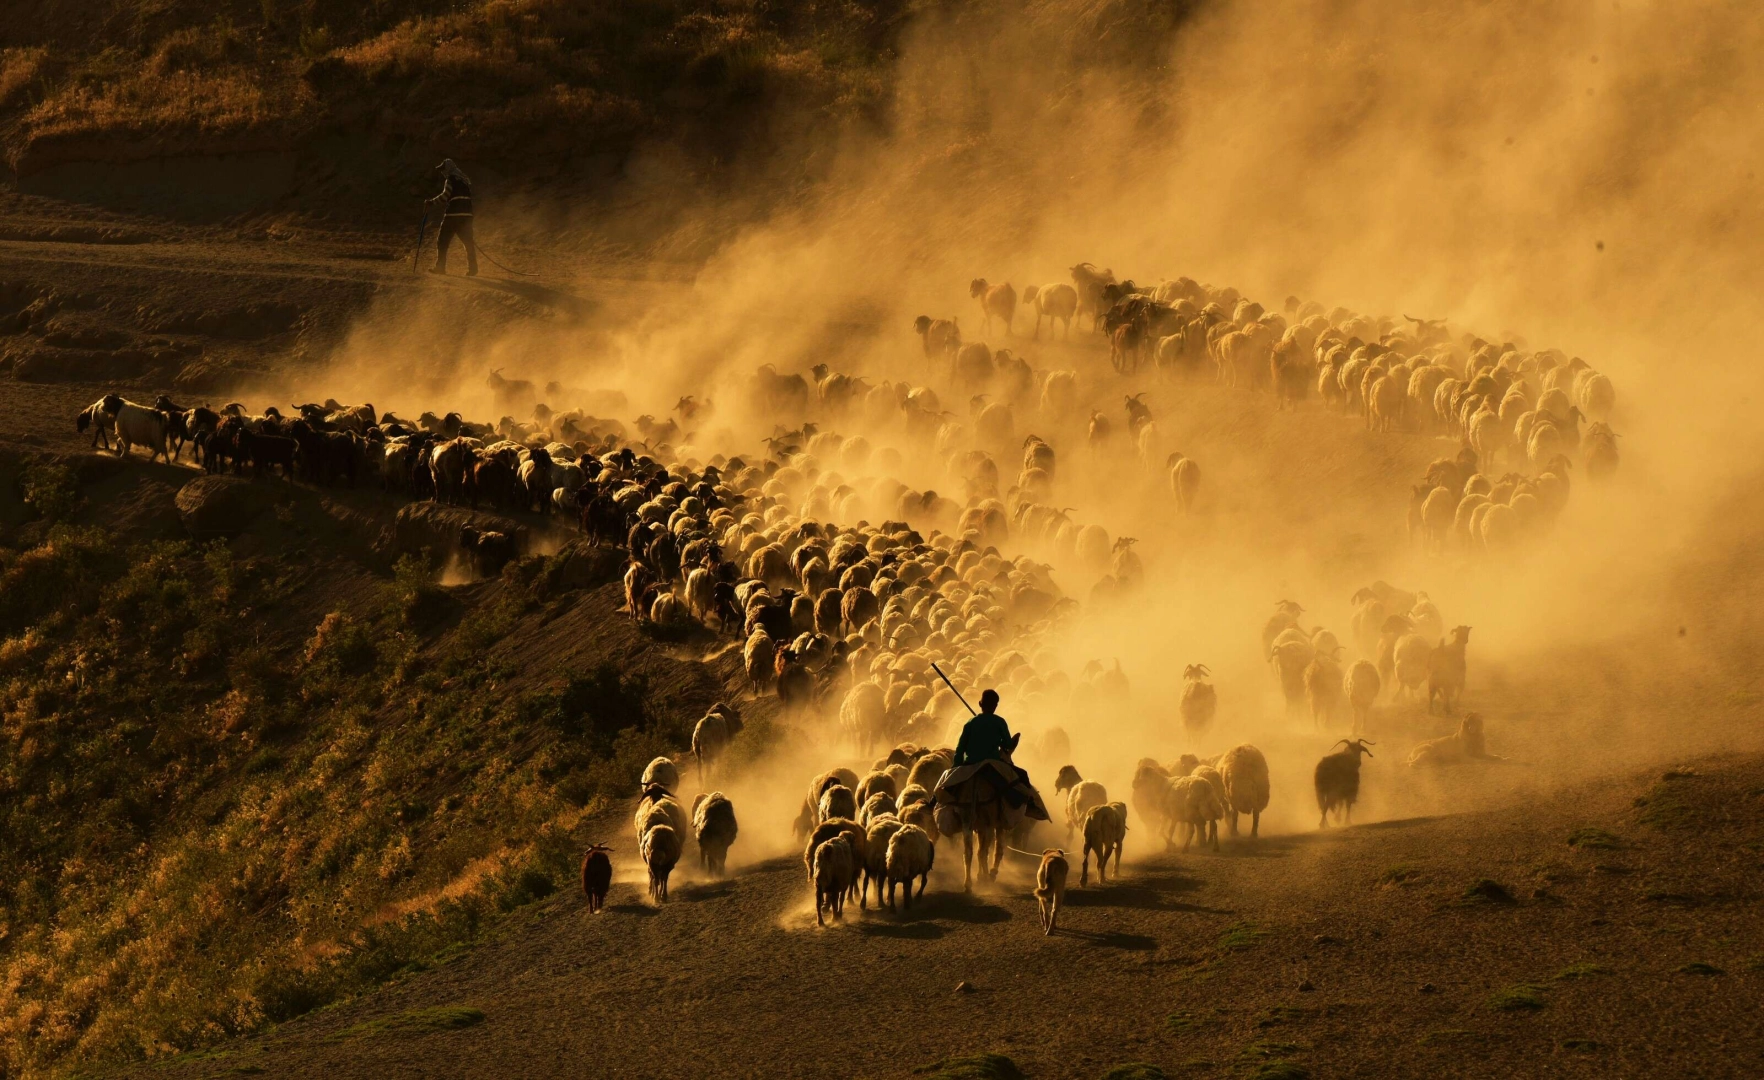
(977, 286)
(1067, 778)
(921, 325)
(1460, 635)
(1358, 746)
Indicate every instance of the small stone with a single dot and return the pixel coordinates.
(1325, 939)
(1429, 988)
(963, 988)
(1306, 987)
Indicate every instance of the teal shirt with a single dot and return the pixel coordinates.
(985, 737)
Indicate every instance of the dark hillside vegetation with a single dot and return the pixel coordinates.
(239, 781)
(672, 99)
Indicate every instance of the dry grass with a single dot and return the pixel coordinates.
(276, 827)
(547, 76)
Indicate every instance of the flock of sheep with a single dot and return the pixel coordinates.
(851, 593)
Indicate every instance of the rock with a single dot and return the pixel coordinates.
(212, 507)
(431, 526)
(1306, 987)
(964, 988)
(1429, 988)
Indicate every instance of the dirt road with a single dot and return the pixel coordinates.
(1482, 945)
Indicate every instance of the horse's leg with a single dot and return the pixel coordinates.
(968, 860)
(998, 848)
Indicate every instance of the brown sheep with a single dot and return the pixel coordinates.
(939, 336)
(596, 876)
(1050, 887)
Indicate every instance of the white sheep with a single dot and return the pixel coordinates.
(1245, 773)
(715, 828)
(1191, 804)
(663, 771)
(660, 848)
(137, 424)
(910, 855)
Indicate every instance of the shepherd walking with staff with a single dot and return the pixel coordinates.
(455, 204)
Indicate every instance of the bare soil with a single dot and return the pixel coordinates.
(1381, 950)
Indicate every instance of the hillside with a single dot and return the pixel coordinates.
(334, 105)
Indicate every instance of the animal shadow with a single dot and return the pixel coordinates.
(634, 909)
(921, 931)
(1112, 940)
(959, 907)
(710, 890)
(1152, 893)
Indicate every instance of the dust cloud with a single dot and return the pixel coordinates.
(1576, 176)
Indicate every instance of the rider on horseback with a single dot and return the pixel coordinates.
(986, 736)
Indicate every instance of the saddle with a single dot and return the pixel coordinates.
(1008, 783)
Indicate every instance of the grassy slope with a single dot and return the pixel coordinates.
(237, 784)
(556, 80)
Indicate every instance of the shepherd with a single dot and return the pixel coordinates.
(984, 794)
(455, 201)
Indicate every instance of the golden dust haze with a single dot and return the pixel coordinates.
(1568, 175)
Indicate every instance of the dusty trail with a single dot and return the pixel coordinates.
(1350, 953)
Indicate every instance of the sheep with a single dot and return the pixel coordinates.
(1323, 687)
(1105, 831)
(1150, 780)
(660, 848)
(1184, 481)
(1362, 690)
(1337, 780)
(929, 769)
(1059, 394)
(911, 854)
(837, 801)
(878, 832)
(1089, 284)
(998, 301)
(1411, 659)
(712, 735)
(1191, 804)
(1465, 744)
(759, 656)
(1200, 701)
(834, 872)
(662, 771)
(1057, 303)
(1084, 795)
(657, 805)
(1601, 451)
(1445, 670)
(1244, 772)
(487, 551)
(826, 830)
(877, 782)
(133, 424)
(101, 422)
(938, 336)
(715, 828)
(1050, 887)
(596, 876)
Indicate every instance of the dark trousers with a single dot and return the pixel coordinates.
(462, 228)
